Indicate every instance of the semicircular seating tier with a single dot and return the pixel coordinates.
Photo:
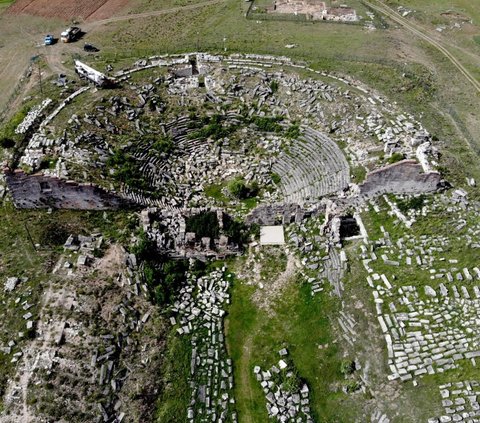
(313, 167)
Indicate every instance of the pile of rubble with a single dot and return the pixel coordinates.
(71, 330)
(286, 395)
(201, 310)
(85, 247)
(32, 117)
(431, 329)
(21, 300)
(460, 402)
(322, 260)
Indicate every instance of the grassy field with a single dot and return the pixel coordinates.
(302, 324)
(142, 6)
(432, 10)
(208, 26)
(4, 4)
(174, 397)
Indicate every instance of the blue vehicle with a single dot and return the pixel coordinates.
(49, 40)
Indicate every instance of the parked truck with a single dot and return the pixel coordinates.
(70, 34)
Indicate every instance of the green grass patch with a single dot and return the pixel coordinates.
(396, 157)
(174, 395)
(215, 191)
(299, 322)
(358, 173)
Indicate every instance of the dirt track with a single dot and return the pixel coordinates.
(65, 9)
(383, 9)
(95, 24)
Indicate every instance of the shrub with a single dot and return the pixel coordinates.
(204, 225)
(163, 145)
(127, 169)
(145, 249)
(170, 278)
(267, 124)
(396, 157)
(237, 231)
(291, 381)
(47, 162)
(239, 189)
(293, 131)
(255, 230)
(274, 86)
(212, 127)
(7, 142)
(352, 386)
(347, 367)
(414, 203)
(275, 178)
(53, 235)
(163, 276)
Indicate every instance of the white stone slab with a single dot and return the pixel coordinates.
(272, 235)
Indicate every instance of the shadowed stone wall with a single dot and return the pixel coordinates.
(39, 191)
(405, 177)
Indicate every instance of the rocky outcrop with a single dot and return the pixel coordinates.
(40, 191)
(405, 177)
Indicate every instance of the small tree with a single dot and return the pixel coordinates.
(238, 188)
(274, 86)
(7, 142)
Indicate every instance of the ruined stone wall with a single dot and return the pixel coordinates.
(282, 214)
(40, 191)
(405, 177)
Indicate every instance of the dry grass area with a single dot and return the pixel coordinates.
(79, 314)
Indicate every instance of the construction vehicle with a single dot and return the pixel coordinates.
(49, 40)
(70, 34)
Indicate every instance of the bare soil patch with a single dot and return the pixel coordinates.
(112, 262)
(68, 9)
(108, 9)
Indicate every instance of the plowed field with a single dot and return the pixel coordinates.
(68, 9)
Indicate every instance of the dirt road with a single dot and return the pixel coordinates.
(385, 10)
(90, 26)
